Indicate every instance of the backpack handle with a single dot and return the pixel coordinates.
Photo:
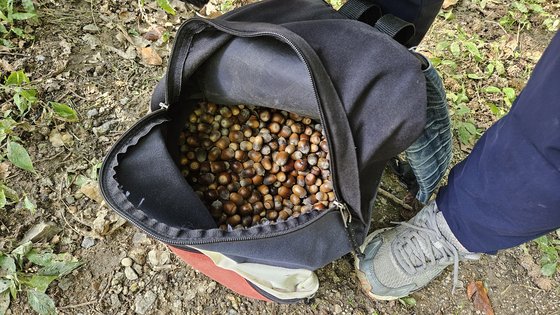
(370, 13)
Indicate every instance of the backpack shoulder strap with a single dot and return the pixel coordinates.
(362, 10)
(370, 13)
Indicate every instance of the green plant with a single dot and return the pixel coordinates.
(463, 122)
(408, 301)
(21, 98)
(11, 16)
(521, 12)
(548, 247)
(30, 269)
(166, 6)
(507, 96)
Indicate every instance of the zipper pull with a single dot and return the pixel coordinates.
(163, 106)
(346, 215)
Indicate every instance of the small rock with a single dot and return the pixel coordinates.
(88, 242)
(158, 257)
(40, 58)
(211, 287)
(138, 255)
(137, 268)
(152, 35)
(143, 303)
(126, 262)
(115, 302)
(103, 129)
(189, 295)
(133, 287)
(92, 113)
(70, 199)
(91, 28)
(140, 238)
(41, 231)
(337, 309)
(130, 274)
(64, 283)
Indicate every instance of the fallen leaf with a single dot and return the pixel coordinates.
(478, 294)
(130, 53)
(4, 170)
(534, 272)
(91, 190)
(100, 225)
(55, 139)
(449, 3)
(6, 66)
(150, 57)
(41, 231)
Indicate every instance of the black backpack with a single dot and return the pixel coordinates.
(300, 56)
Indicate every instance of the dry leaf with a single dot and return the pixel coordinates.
(100, 225)
(91, 190)
(55, 139)
(449, 3)
(130, 53)
(478, 294)
(150, 57)
(534, 272)
(4, 170)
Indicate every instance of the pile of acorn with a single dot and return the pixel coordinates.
(255, 165)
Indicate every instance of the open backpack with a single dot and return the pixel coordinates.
(348, 69)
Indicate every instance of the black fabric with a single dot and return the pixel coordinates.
(367, 90)
(362, 10)
(391, 25)
(198, 3)
(421, 13)
(224, 78)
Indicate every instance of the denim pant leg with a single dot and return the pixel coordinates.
(507, 191)
(430, 155)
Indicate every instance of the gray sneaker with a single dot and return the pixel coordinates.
(398, 261)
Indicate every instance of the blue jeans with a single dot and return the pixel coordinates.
(430, 154)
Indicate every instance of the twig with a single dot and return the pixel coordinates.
(13, 54)
(504, 292)
(394, 199)
(49, 158)
(77, 305)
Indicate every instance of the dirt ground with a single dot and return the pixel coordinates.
(96, 56)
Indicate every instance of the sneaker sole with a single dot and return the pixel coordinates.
(364, 283)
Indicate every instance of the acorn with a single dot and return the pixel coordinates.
(254, 165)
(229, 208)
(281, 158)
(299, 191)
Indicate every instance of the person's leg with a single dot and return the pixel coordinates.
(506, 192)
(421, 13)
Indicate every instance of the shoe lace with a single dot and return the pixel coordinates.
(422, 245)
